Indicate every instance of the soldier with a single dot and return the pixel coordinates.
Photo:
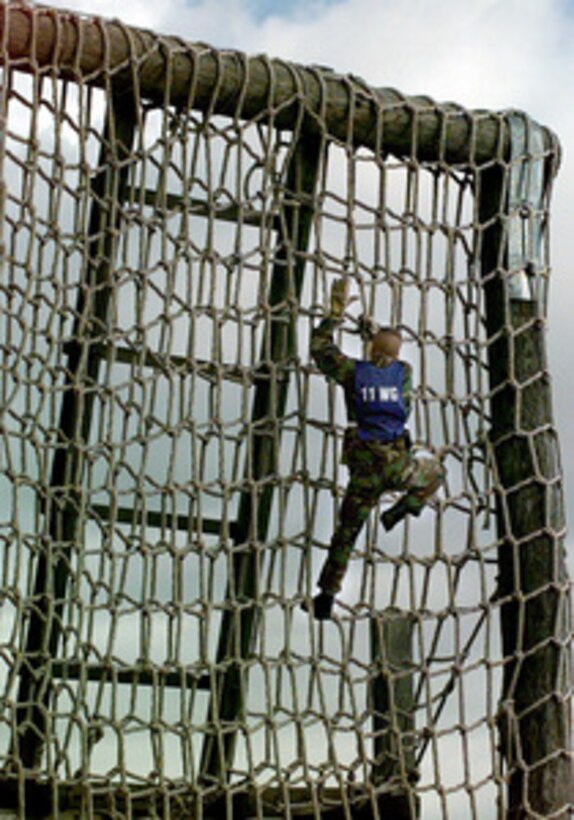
(376, 445)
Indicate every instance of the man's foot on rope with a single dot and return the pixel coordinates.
(321, 606)
(396, 513)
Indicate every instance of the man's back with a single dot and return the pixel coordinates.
(379, 400)
(362, 382)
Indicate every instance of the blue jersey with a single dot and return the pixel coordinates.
(379, 401)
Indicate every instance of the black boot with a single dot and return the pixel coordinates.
(394, 514)
(321, 606)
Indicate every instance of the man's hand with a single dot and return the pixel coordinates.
(339, 297)
(367, 327)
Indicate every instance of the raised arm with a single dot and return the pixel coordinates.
(327, 355)
(408, 387)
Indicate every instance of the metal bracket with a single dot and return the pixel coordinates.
(525, 207)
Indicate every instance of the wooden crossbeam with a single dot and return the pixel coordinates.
(140, 675)
(160, 520)
(200, 207)
(159, 361)
(358, 800)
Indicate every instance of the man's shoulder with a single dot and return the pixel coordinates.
(396, 363)
(407, 371)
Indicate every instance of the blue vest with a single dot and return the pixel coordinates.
(379, 401)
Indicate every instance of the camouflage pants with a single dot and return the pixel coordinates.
(374, 469)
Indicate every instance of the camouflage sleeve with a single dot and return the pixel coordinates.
(329, 358)
(408, 387)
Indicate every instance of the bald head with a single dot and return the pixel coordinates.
(386, 344)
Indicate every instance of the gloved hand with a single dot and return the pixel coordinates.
(339, 297)
(367, 327)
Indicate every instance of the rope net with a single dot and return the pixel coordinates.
(171, 457)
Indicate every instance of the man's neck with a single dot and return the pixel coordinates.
(383, 361)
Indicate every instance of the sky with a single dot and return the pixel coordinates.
(494, 54)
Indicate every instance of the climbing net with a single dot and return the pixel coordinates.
(173, 219)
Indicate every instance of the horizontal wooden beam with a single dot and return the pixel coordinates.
(158, 519)
(139, 675)
(202, 208)
(167, 70)
(160, 361)
(24, 795)
(204, 369)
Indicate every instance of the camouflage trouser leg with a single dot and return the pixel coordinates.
(375, 468)
(422, 479)
(360, 497)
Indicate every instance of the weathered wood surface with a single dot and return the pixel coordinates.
(533, 586)
(36, 799)
(63, 506)
(392, 703)
(168, 70)
(239, 629)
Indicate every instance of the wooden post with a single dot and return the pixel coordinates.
(63, 507)
(238, 629)
(534, 724)
(392, 707)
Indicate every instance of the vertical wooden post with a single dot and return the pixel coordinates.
(63, 505)
(534, 721)
(392, 707)
(238, 629)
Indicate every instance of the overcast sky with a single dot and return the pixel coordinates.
(493, 54)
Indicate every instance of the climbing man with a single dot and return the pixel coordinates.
(376, 449)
